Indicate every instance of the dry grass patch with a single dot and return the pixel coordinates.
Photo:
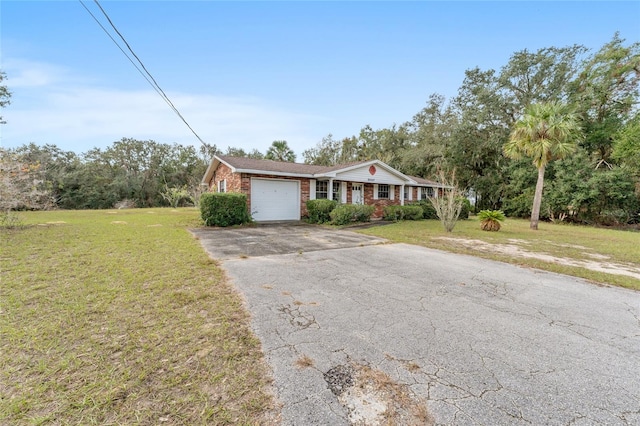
(304, 362)
(401, 405)
(134, 324)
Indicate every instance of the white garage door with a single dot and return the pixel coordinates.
(273, 199)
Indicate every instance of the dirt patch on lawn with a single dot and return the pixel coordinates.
(597, 262)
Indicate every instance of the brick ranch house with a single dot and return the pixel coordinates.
(279, 191)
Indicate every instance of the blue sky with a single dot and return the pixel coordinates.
(244, 74)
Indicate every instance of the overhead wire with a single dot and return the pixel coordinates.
(119, 47)
(144, 71)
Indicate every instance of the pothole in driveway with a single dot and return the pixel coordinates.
(372, 398)
(339, 378)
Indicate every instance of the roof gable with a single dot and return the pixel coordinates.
(374, 171)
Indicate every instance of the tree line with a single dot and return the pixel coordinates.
(599, 182)
(129, 173)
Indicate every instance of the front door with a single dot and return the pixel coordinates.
(356, 194)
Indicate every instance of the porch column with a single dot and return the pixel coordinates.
(401, 195)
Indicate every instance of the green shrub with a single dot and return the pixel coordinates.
(224, 209)
(408, 212)
(466, 209)
(319, 210)
(348, 213)
(428, 211)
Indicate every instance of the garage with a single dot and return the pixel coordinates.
(275, 199)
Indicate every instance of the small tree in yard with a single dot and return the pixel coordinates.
(448, 203)
(174, 195)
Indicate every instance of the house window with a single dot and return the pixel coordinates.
(222, 186)
(427, 192)
(406, 192)
(383, 192)
(336, 191)
(322, 189)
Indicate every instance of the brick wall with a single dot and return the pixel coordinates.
(380, 204)
(237, 182)
(224, 172)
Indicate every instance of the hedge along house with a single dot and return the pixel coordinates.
(279, 190)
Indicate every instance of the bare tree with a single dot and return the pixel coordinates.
(21, 185)
(448, 201)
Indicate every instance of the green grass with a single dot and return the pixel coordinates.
(119, 317)
(558, 240)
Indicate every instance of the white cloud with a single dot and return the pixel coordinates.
(50, 107)
(81, 118)
(23, 73)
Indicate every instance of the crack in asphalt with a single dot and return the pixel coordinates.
(635, 312)
(297, 318)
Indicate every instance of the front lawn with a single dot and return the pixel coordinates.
(569, 249)
(119, 317)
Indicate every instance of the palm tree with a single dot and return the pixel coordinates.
(280, 151)
(546, 131)
(490, 219)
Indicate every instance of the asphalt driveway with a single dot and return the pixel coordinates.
(277, 238)
(479, 342)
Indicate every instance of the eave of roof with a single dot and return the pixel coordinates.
(426, 182)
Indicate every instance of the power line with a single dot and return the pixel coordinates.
(146, 74)
(122, 50)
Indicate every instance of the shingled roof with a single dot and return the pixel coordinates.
(422, 181)
(252, 165)
(244, 163)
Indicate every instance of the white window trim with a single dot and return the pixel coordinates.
(335, 193)
(344, 192)
(410, 190)
(222, 185)
(330, 190)
(426, 189)
(376, 188)
(320, 182)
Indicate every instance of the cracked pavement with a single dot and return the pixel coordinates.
(485, 343)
